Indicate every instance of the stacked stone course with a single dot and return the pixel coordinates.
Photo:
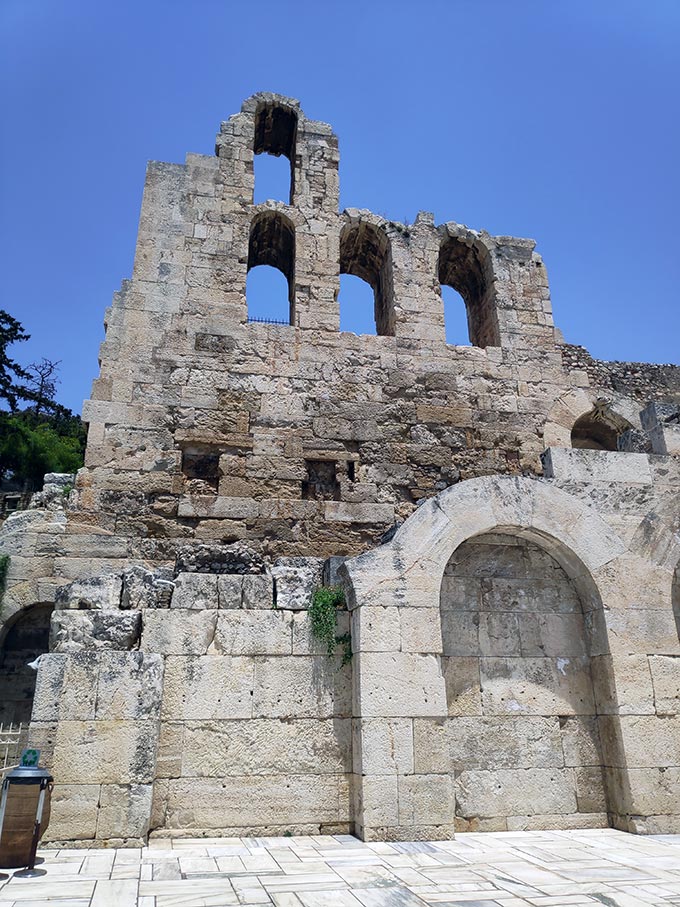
(503, 518)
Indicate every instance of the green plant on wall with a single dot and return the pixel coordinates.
(323, 613)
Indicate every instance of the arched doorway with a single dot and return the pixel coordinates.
(22, 640)
(523, 730)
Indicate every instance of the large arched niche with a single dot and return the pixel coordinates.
(23, 637)
(405, 678)
(517, 639)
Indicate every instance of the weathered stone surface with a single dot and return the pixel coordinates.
(178, 631)
(214, 686)
(73, 631)
(196, 591)
(145, 588)
(98, 593)
(295, 579)
(124, 811)
(514, 792)
(254, 633)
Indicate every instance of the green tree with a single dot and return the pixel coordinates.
(11, 373)
(44, 436)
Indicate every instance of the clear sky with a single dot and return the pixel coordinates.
(555, 119)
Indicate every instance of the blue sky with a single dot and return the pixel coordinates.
(555, 119)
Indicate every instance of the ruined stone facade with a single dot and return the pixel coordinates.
(516, 657)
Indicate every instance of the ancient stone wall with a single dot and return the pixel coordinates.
(515, 644)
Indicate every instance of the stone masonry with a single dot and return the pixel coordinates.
(503, 518)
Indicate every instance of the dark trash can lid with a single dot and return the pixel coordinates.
(28, 774)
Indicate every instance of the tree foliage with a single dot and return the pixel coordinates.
(43, 436)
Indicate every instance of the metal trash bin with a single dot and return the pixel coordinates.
(24, 814)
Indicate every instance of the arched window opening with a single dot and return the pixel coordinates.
(275, 135)
(461, 268)
(598, 429)
(520, 693)
(272, 243)
(455, 317)
(357, 305)
(365, 253)
(24, 640)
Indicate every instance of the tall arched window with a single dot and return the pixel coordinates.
(22, 640)
(272, 244)
(461, 266)
(275, 135)
(365, 253)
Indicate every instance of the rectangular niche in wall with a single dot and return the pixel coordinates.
(201, 464)
(321, 483)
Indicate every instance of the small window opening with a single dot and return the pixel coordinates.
(272, 243)
(598, 429)
(455, 317)
(351, 470)
(321, 483)
(461, 267)
(275, 137)
(201, 466)
(365, 254)
(25, 639)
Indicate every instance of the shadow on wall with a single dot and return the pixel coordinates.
(24, 638)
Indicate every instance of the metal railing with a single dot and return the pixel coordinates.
(253, 319)
(13, 740)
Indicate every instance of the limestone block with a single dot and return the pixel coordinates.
(301, 687)
(514, 792)
(536, 686)
(400, 684)
(196, 591)
(244, 801)
(590, 792)
(230, 590)
(432, 749)
(650, 791)
(382, 746)
(530, 594)
(254, 633)
(426, 799)
(212, 686)
(644, 741)
(556, 635)
(420, 630)
(376, 629)
(99, 593)
(580, 737)
(511, 742)
(666, 681)
(622, 684)
(295, 579)
(637, 632)
(66, 686)
(130, 686)
(74, 812)
(304, 640)
(145, 589)
(596, 466)
(105, 752)
(460, 633)
(124, 811)
(336, 511)
(178, 631)
(73, 631)
(463, 687)
(330, 570)
(377, 800)
(499, 634)
(258, 592)
(213, 749)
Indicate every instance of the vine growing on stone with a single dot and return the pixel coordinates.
(324, 618)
